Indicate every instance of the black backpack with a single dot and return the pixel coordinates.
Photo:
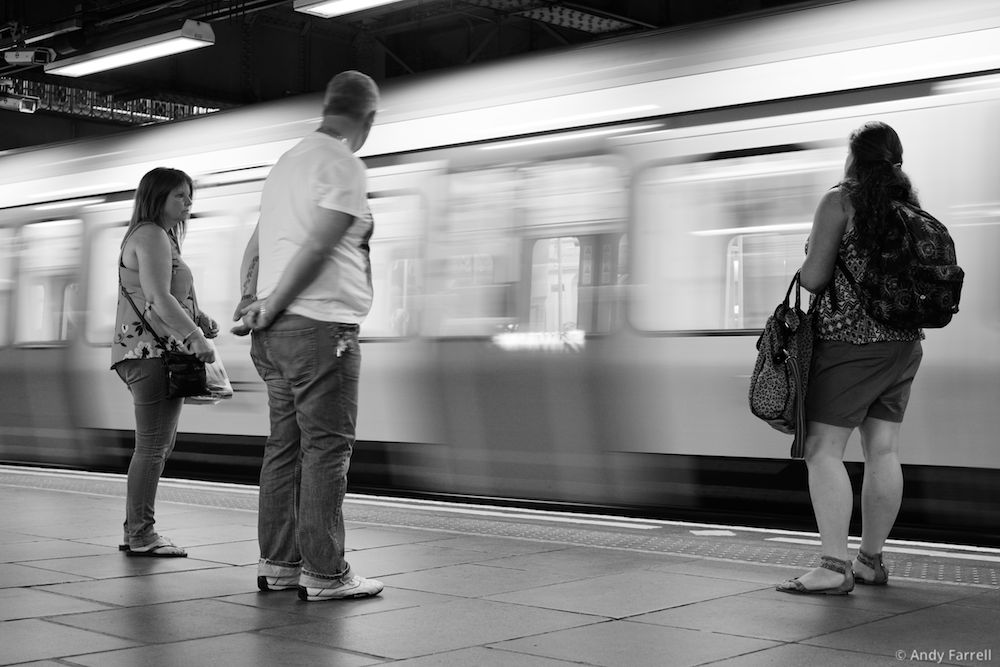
(912, 281)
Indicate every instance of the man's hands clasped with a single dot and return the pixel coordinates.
(252, 313)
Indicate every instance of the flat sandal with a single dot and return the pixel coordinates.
(161, 548)
(828, 563)
(874, 561)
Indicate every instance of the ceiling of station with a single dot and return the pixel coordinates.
(265, 50)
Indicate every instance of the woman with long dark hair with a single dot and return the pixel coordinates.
(861, 370)
(156, 280)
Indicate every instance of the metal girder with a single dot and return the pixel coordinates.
(563, 15)
(567, 17)
(84, 103)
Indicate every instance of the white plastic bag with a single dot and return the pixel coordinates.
(218, 384)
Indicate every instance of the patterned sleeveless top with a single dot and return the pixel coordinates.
(850, 323)
(132, 339)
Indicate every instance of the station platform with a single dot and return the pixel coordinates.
(465, 586)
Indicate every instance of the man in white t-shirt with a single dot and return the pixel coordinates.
(307, 286)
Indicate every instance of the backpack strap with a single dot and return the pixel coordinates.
(832, 288)
(850, 278)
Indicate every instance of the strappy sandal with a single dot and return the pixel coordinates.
(161, 548)
(829, 563)
(874, 561)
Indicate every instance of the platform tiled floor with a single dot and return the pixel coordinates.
(456, 595)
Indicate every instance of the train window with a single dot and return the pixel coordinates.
(759, 268)
(102, 284)
(503, 249)
(585, 190)
(555, 283)
(603, 274)
(718, 240)
(576, 283)
(7, 255)
(397, 271)
(473, 256)
(48, 265)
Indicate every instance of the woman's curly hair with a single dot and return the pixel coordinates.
(875, 179)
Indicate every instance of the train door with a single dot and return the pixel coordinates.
(40, 306)
(399, 406)
(524, 266)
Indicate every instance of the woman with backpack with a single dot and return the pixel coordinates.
(862, 368)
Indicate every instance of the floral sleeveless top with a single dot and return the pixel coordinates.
(849, 322)
(133, 340)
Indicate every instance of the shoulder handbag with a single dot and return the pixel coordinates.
(185, 372)
(781, 373)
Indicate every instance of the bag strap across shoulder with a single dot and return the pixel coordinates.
(121, 265)
(151, 330)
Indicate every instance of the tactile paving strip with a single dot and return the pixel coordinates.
(937, 567)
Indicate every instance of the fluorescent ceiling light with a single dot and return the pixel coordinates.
(58, 29)
(327, 8)
(193, 35)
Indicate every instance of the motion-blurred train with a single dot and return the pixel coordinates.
(574, 255)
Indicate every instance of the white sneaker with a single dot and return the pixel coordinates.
(277, 583)
(350, 587)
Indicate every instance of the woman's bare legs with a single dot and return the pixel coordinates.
(831, 495)
(882, 489)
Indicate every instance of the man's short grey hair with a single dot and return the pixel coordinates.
(352, 94)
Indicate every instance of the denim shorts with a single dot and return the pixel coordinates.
(849, 383)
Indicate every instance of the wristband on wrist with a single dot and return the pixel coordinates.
(190, 333)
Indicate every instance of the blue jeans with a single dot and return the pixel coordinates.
(311, 370)
(156, 418)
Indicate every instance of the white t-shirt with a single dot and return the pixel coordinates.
(318, 171)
